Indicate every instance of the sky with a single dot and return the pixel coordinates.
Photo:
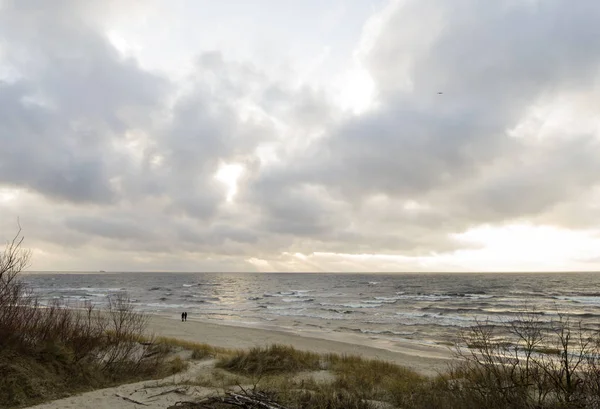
(329, 135)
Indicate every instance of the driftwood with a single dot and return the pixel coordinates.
(248, 400)
(131, 400)
(176, 390)
(254, 400)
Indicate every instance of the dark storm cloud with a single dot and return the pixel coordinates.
(71, 97)
(39, 152)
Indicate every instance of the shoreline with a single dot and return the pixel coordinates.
(425, 359)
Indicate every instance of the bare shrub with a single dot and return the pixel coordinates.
(125, 328)
(530, 364)
(103, 345)
(14, 300)
(13, 260)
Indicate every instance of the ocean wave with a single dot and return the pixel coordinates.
(307, 314)
(425, 297)
(351, 305)
(298, 306)
(89, 289)
(280, 294)
(527, 294)
(297, 299)
(584, 315)
(401, 296)
(102, 295)
(452, 320)
(387, 332)
(376, 332)
(208, 298)
(339, 311)
(165, 306)
(385, 300)
(588, 300)
(459, 310)
(583, 294)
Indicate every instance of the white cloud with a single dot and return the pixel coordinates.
(229, 175)
(183, 136)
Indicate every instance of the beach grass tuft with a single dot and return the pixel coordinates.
(274, 359)
(199, 350)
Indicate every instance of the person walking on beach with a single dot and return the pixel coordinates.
(185, 316)
(182, 316)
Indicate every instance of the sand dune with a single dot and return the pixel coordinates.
(148, 394)
(161, 394)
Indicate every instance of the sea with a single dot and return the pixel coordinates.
(421, 308)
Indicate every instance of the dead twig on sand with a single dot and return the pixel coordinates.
(176, 390)
(131, 400)
(253, 400)
(249, 400)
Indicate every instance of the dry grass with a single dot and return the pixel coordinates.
(358, 382)
(375, 380)
(199, 350)
(275, 359)
(363, 383)
(222, 379)
(51, 351)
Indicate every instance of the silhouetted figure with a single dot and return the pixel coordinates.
(182, 316)
(185, 316)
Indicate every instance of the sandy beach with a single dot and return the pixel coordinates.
(425, 359)
(160, 394)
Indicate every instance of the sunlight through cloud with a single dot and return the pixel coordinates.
(228, 174)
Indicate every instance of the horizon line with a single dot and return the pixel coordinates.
(300, 272)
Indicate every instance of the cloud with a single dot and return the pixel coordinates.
(71, 99)
(481, 114)
(454, 151)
